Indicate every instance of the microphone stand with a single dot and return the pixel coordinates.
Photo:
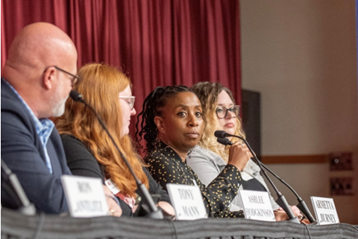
(301, 203)
(26, 206)
(152, 210)
(281, 200)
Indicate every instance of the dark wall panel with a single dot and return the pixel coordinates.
(251, 119)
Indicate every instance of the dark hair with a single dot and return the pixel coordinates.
(152, 105)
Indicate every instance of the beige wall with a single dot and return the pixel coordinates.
(301, 56)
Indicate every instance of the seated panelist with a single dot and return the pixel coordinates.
(172, 125)
(88, 148)
(33, 88)
(36, 81)
(209, 157)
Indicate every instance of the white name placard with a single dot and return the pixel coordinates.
(257, 205)
(85, 196)
(187, 201)
(325, 210)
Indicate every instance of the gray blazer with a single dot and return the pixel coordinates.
(207, 165)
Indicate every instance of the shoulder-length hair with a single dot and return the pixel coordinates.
(100, 86)
(208, 93)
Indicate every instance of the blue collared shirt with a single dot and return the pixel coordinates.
(44, 128)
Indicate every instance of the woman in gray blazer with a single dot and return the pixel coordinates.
(209, 157)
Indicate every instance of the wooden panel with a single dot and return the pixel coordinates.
(284, 159)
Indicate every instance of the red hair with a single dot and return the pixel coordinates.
(100, 85)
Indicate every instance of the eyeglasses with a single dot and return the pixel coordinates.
(74, 78)
(129, 99)
(221, 112)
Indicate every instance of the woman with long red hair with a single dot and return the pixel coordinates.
(88, 148)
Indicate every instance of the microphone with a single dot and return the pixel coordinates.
(75, 96)
(301, 205)
(281, 200)
(224, 141)
(221, 134)
(142, 191)
(15, 190)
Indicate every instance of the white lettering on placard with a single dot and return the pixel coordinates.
(88, 206)
(330, 218)
(256, 199)
(255, 212)
(324, 204)
(191, 211)
(185, 194)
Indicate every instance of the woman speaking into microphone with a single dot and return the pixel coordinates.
(209, 157)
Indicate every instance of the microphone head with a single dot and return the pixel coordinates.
(220, 134)
(75, 96)
(224, 141)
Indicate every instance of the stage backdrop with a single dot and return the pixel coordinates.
(156, 42)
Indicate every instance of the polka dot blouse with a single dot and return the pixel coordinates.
(166, 166)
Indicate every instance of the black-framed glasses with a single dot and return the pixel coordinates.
(129, 99)
(221, 112)
(74, 78)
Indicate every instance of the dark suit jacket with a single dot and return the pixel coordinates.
(22, 152)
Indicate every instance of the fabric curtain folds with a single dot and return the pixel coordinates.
(157, 42)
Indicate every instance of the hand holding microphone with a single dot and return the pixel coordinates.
(239, 155)
(221, 135)
(281, 200)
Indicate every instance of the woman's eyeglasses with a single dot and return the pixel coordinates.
(221, 112)
(129, 99)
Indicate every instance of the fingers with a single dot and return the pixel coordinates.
(305, 221)
(115, 212)
(280, 215)
(114, 209)
(241, 144)
(297, 214)
(244, 147)
(295, 210)
(111, 212)
(166, 207)
(239, 154)
(248, 152)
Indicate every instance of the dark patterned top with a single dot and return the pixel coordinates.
(166, 166)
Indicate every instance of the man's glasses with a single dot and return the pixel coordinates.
(74, 78)
(129, 99)
(221, 112)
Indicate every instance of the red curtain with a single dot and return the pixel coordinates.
(156, 42)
